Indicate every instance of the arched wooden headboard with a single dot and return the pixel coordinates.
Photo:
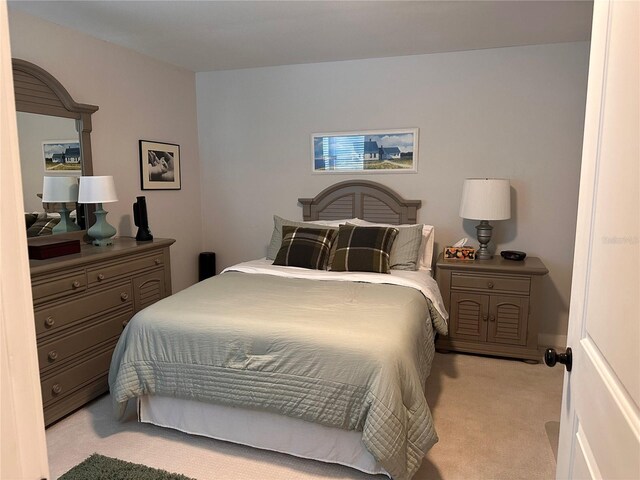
(362, 199)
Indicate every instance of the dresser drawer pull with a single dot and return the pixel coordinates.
(125, 323)
(489, 284)
(76, 284)
(158, 261)
(124, 296)
(56, 389)
(492, 318)
(100, 277)
(53, 355)
(49, 321)
(484, 318)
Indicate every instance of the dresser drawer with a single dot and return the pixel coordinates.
(57, 351)
(112, 271)
(54, 317)
(59, 385)
(69, 283)
(488, 282)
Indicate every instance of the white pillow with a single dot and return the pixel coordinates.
(426, 247)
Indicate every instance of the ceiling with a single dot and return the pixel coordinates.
(222, 35)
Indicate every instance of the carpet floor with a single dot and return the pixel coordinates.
(496, 419)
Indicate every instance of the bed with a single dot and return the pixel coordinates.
(320, 364)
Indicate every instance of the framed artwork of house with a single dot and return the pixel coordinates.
(371, 151)
(62, 156)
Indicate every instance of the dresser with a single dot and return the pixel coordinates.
(82, 302)
(493, 305)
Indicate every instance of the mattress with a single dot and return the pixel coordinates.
(347, 351)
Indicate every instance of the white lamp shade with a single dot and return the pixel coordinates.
(486, 199)
(98, 189)
(60, 189)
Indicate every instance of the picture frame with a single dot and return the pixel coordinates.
(367, 151)
(62, 157)
(159, 166)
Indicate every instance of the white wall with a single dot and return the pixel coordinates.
(512, 112)
(139, 98)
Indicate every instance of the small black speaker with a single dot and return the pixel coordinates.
(141, 220)
(207, 265)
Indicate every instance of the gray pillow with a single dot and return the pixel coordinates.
(406, 247)
(276, 236)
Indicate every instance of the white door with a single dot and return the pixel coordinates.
(600, 424)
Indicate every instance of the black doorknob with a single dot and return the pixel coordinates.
(551, 358)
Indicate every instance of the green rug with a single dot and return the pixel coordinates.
(98, 467)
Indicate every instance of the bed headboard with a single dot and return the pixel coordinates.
(362, 199)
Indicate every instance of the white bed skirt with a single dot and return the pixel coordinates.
(268, 431)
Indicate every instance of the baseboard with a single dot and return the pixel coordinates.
(552, 340)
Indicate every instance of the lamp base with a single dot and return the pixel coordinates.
(484, 231)
(65, 224)
(101, 231)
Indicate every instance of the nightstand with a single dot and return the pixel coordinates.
(493, 306)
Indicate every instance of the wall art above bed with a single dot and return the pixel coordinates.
(371, 151)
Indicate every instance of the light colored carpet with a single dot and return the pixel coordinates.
(496, 420)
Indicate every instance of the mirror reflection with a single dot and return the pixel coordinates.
(50, 147)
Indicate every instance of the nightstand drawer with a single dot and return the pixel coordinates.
(489, 282)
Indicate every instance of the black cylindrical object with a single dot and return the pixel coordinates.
(207, 265)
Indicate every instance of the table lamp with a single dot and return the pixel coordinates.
(61, 190)
(485, 199)
(99, 190)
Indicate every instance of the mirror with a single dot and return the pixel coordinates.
(55, 141)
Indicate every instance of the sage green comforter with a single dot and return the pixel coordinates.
(343, 354)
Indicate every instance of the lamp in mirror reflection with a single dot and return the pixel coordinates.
(485, 199)
(63, 191)
(99, 190)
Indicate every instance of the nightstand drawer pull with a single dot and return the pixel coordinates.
(75, 284)
(53, 355)
(100, 277)
(124, 296)
(484, 318)
(56, 389)
(489, 284)
(492, 318)
(158, 261)
(125, 323)
(49, 321)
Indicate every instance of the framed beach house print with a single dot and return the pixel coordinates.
(372, 151)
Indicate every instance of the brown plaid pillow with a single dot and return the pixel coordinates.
(363, 249)
(305, 247)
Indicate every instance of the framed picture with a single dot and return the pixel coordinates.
(159, 166)
(62, 157)
(372, 151)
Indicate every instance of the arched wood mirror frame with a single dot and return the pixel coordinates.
(37, 91)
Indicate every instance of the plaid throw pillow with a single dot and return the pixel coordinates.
(42, 226)
(363, 249)
(305, 247)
